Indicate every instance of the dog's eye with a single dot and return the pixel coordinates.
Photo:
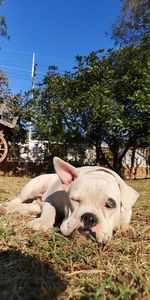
(110, 203)
(74, 200)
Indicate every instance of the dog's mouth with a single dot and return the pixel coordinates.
(88, 225)
(87, 232)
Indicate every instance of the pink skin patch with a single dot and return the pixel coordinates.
(81, 224)
(94, 229)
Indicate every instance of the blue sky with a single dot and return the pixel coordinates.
(56, 31)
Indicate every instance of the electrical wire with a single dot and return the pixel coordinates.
(21, 69)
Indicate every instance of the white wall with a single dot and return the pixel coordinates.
(81, 154)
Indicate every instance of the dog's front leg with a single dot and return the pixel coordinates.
(46, 220)
(125, 227)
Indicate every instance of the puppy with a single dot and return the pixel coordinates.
(94, 200)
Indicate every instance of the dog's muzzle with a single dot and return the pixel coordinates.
(88, 220)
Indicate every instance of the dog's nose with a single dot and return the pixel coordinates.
(89, 220)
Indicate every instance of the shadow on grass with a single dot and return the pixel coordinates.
(23, 277)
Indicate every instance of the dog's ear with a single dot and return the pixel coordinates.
(127, 193)
(66, 172)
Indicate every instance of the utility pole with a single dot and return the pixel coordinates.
(33, 74)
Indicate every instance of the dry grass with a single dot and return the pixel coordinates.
(48, 266)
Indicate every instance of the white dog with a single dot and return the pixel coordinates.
(94, 200)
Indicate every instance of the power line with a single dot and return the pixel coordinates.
(15, 69)
(25, 70)
(16, 51)
(13, 75)
(37, 54)
(20, 70)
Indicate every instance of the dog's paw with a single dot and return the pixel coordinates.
(128, 231)
(39, 224)
(2, 208)
(9, 206)
(13, 207)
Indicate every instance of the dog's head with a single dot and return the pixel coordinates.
(99, 199)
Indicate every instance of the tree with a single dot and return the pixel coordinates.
(119, 113)
(105, 99)
(3, 77)
(3, 25)
(13, 104)
(132, 81)
(42, 110)
(133, 24)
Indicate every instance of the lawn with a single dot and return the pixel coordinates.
(44, 266)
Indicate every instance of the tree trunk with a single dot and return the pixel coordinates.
(103, 159)
(132, 162)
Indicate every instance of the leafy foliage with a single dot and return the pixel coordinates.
(3, 25)
(133, 24)
(104, 99)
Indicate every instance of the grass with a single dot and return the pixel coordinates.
(44, 266)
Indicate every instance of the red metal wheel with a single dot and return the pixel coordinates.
(3, 148)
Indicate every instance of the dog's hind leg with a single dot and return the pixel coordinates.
(23, 208)
(31, 196)
(34, 189)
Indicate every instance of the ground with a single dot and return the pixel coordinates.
(44, 266)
